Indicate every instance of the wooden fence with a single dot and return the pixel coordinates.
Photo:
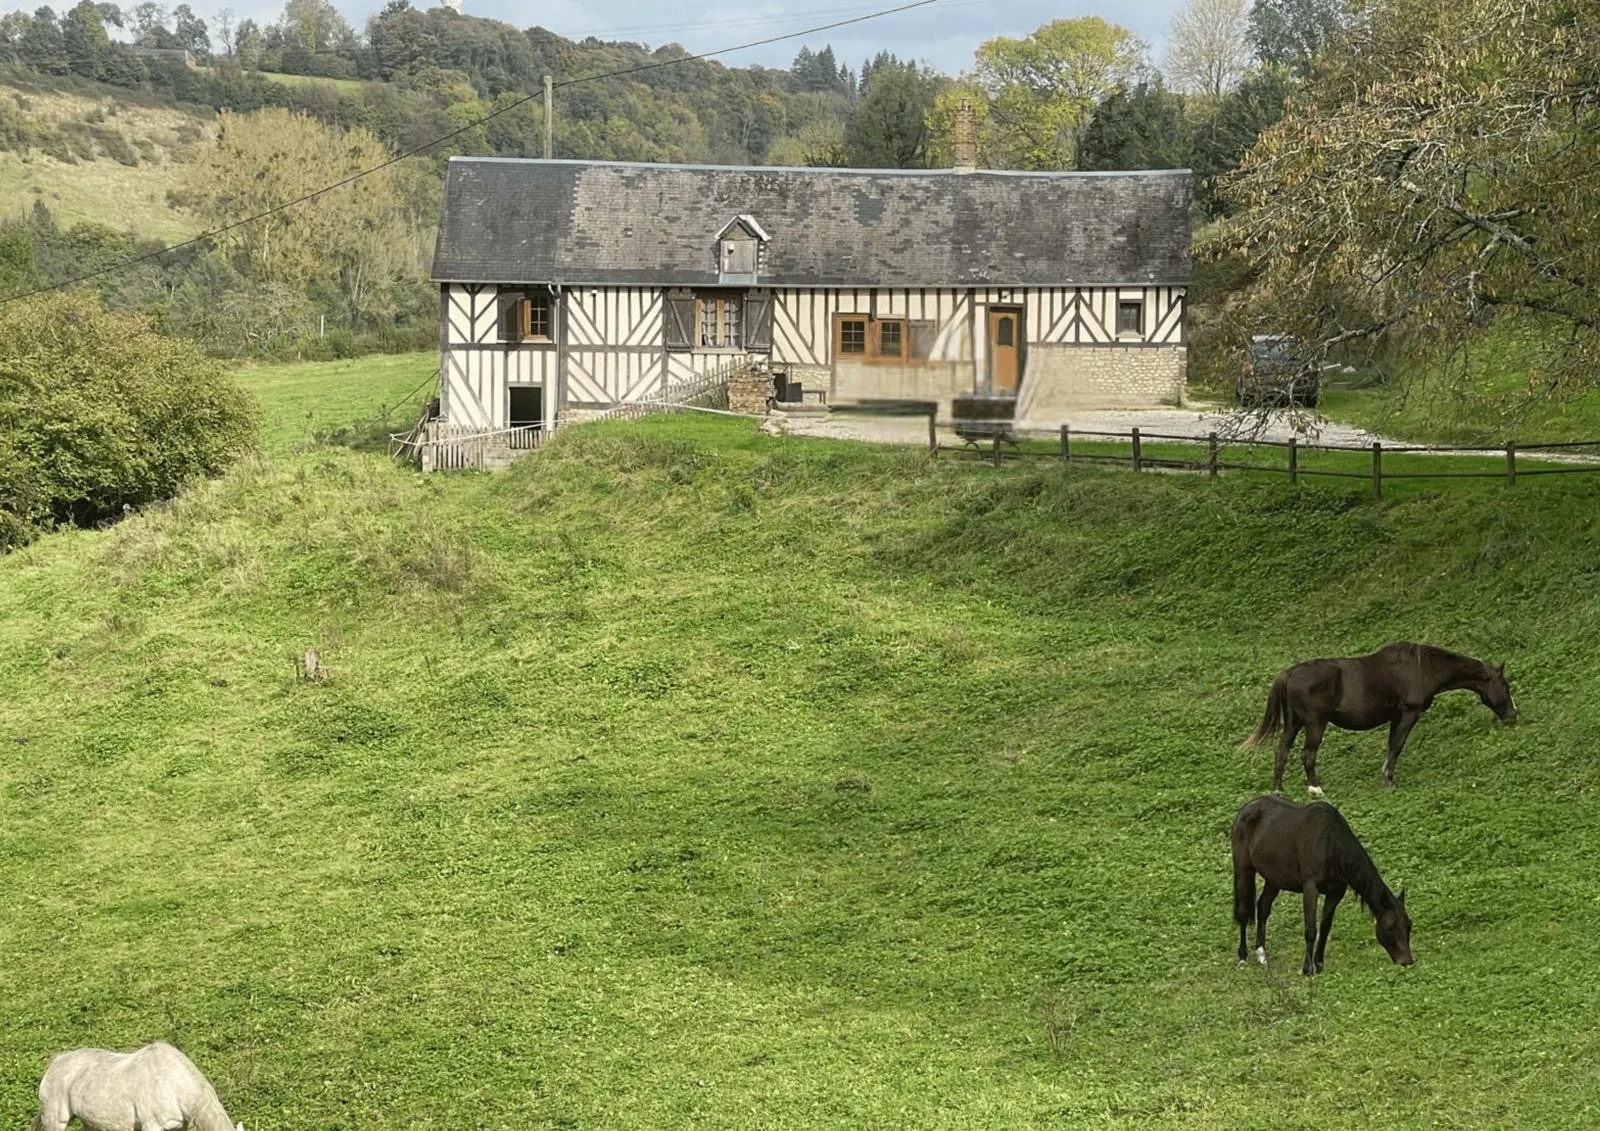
(1216, 446)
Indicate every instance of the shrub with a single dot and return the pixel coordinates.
(98, 413)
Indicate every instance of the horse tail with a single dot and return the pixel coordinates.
(1277, 715)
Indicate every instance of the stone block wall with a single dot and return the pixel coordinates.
(928, 381)
(749, 391)
(1061, 379)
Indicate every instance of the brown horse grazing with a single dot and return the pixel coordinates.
(1393, 685)
(1309, 849)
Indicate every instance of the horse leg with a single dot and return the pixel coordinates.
(1285, 743)
(51, 1117)
(1310, 899)
(1263, 909)
(1244, 898)
(1399, 731)
(1308, 757)
(1330, 903)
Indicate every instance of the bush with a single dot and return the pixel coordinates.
(99, 413)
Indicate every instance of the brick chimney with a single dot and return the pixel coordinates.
(966, 141)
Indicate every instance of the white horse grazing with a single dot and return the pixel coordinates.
(155, 1088)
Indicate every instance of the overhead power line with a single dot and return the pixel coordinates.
(472, 125)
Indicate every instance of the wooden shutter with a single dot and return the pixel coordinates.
(758, 321)
(510, 316)
(679, 320)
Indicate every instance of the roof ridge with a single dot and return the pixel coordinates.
(822, 170)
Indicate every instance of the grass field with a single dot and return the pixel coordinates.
(684, 776)
(302, 399)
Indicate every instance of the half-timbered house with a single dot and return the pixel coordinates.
(572, 286)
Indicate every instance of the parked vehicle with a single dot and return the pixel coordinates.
(1278, 371)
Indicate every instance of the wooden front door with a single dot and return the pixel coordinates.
(1005, 349)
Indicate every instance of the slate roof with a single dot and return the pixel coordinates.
(577, 222)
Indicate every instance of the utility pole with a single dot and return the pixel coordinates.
(549, 118)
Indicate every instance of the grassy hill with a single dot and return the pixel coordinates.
(99, 155)
(687, 776)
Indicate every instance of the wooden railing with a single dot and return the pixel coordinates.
(1560, 458)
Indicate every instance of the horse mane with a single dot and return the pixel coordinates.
(1352, 864)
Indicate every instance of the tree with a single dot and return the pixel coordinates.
(889, 127)
(190, 32)
(84, 39)
(100, 412)
(1035, 95)
(1208, 52)
(1230, 130)
(316, 26)
(150, 26)
(1144, 128)
(248, 43)
(818, 72)
(1289, 33)
(351, 241)
(1438, 176)
(227, 20)
(42, 46)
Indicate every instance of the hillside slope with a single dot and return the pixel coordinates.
(96, 154)
(685, 776)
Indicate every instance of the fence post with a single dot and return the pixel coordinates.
(1294, 459)
(933, 435)
(1511, 463)
(997, 448)
(1211, 455)
(1377, 470)
(1066, 455)
(1138, 452)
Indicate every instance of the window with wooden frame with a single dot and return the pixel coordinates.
(850, 337)
(877, 341)
(890, 340)
(526, 316)
(1130, 316)
(718, 321)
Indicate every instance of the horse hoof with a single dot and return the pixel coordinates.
(1314, 790)
(1261, 955)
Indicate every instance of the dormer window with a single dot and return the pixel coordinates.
(740, 251)
(738, 257)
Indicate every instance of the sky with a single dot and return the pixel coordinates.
(943, 34)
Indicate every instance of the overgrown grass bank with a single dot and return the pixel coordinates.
(684, 776)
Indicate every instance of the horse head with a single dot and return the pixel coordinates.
(1394, 927)
(1495, 693)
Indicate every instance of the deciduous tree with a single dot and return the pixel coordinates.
(1207, 53)
(1038, 93)
(1440, 172)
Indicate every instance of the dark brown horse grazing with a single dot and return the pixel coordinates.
(1309, 849)
(1393, 685)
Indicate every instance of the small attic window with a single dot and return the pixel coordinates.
(738, 256)
(739, 247)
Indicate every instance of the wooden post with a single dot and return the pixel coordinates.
(1066, 453)
(1294, 459)
(1377, 470)
(1511, 463)
(1138, 452)
(1211, 455)
(933, 435)
(997, 449)
(549, 118)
